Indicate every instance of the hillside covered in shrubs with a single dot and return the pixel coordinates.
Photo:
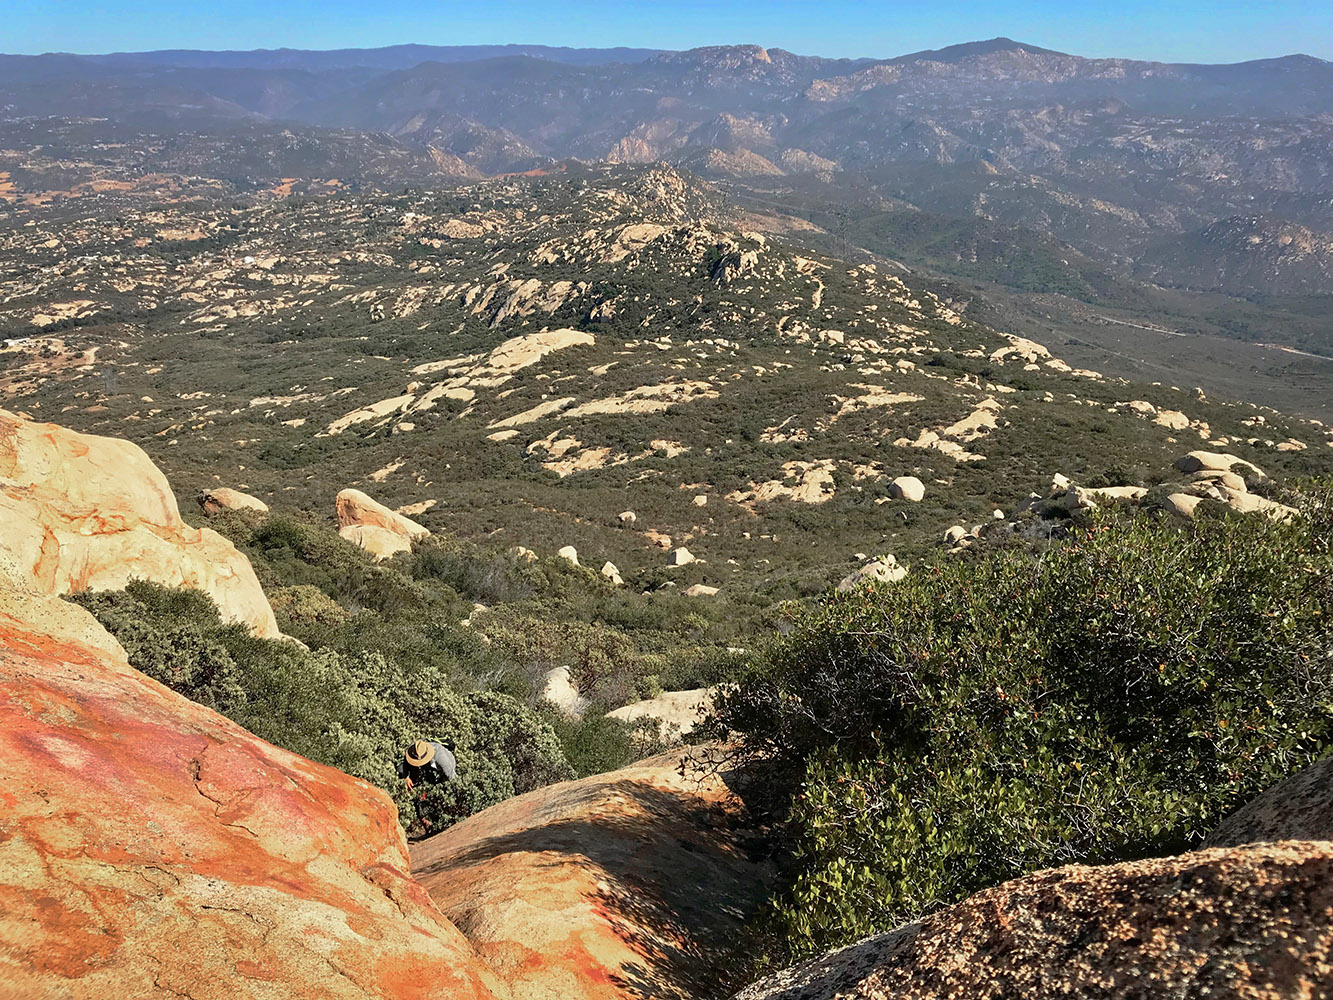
(450, 642)
(1107, 697)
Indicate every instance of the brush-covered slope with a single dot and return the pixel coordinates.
(522, 361)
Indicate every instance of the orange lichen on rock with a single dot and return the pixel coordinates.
(149, 847)
(627, 884)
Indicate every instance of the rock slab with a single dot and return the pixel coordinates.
(623, 885)
(151, 848)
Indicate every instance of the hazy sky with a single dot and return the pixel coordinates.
(1173, 30)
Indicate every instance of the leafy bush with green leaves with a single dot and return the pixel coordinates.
(353, 711)
(1110, 698)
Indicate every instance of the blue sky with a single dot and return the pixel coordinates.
(1144, 29)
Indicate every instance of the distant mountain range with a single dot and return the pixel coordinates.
(1051, 173)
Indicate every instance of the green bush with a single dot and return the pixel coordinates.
(1111, 698)
(351, 710)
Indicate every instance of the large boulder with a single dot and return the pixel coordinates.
(151, 848)
(680, 557)
(382, 532)
(1300, 808)
(1238, 922)
(630, 884)
(677, 713)
(907, 488)
(560, 690)
(1211, 461)
(81, 512)
(221, 499)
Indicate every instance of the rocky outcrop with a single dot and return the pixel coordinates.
(885, 570)
(374, 527)
(677, 713)
(1209, 461)
(152, 848)
(627, 884)
(1300, 808)
(1239, 922)
(223, 498)
(81, 512)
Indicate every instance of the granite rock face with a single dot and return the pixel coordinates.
(1300, 808)
(82, 512)
(627, 884)
(382, 532)
(1253, 922)
(151, 848)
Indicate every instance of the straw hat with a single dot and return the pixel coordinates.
(420, 753)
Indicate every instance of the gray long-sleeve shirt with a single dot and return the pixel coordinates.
(441, 768)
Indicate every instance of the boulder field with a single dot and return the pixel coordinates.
(81, 512)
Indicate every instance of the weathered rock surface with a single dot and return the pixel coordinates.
(886, 570)
(382, 532)
(569, 554)
(676, 712)
(1182, 504)
(680, 557)
(907, 488)
(151, 848)
(1252, 922)
(1300, 808)
(81, 512)
(223, 498)
(1211, 461)
(627, 884)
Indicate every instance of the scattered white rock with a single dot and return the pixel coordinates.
(885, 570)
(680, 557)
(569, 553)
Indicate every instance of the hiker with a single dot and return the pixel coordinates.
(426, 762)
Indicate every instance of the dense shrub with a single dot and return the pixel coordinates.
(354, 711)
(1111, 698)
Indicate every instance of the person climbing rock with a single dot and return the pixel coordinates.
(426, 762)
